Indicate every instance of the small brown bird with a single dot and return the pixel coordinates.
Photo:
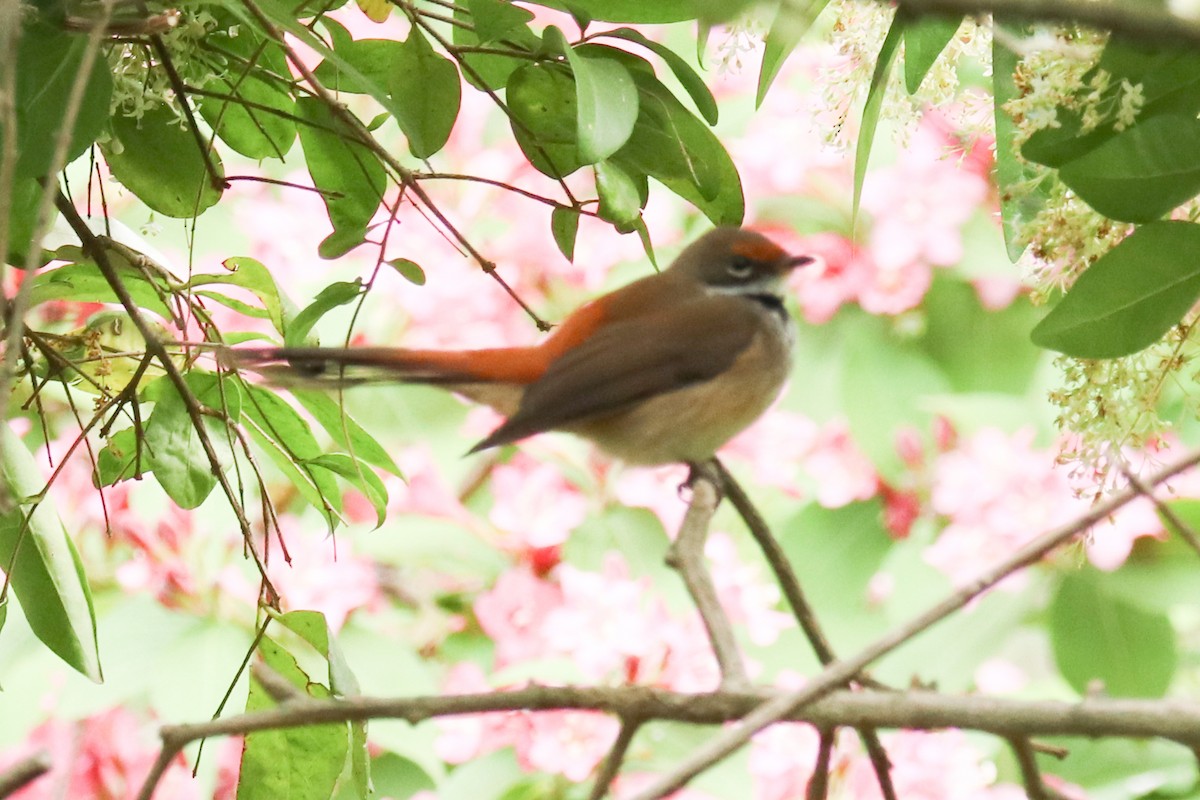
(666, 369)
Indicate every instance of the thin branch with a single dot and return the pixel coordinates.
(841, 671)
(686, 556)
(818, 784)
(786, 578)
(1174, 720)
(1031, 774)
(1132, 20)
(616, 756)
(154, 346)
(550, 201)
(24, 772)
(1174, 521)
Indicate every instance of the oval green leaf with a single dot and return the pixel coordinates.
(564, 225)
(621, 199)
(43, 567)
(1141, 173)
(606, 101)
(349, 175)
(1098, 637)
(161, 163)
(427, 93)
(541, 100)
(706, 104)
(1130, 297)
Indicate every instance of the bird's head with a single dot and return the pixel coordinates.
(736, 260)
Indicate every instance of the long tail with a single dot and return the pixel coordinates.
(337, 366)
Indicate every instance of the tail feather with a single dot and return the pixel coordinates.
(357, 365)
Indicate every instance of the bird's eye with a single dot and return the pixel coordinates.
(741, 267)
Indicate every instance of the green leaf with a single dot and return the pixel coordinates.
(161, 163)
(1015, 179)
(329, 298)
(675, 148)
(172, 446)
(47, 64)
(659, 11)
(1098, 637)
(541, 100)
(371, 64)
(42, 565)
(564, 225)
(288, 441)
(606, 100)
(22, 219)
(257, 118)
(924, 40)
(340, 242)
(361, 478)
(1141, 173)
(251, 275)
(118, 459)
(621, 197)
(495, 19)
(488, 70)
(1130, 297)
(342, 428)
(302, 763)
(875, 94)
(83, 283)
(706, 104)
(409, 270)
(427, 92)
(349, 175)
(791, 22)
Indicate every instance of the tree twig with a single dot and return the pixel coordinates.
(841, 671)
(24, 772)
(1173, 520)
(686, 556)
(615, 757)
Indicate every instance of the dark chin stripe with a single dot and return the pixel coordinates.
(771, 302)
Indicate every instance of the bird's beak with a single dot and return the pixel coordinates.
(792, 262)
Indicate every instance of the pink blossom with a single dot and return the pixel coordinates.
(1110, 541)
(654, 488)
(463, 738)
(781, 761)
(106, 756)
(842, 472)
(941, 765)
(567, 743)
(775, 447)
(835, 278)
(534, 506)
(513, 614)
(747, 599)
(322, 575)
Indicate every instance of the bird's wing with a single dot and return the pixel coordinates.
(632, 360)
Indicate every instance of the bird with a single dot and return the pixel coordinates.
(666, 369)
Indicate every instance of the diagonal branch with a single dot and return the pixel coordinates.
(841, 671)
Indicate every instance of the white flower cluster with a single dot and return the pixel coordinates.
(140, 84)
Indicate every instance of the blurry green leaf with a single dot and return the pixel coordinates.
(349, 175)
(564, 225)
(1097, 637)
(706, 104)
(289, 442)
(360, 477)
(256, 118)
(541, 99)
(161, 163)
(396, 776)
(1129, 297)
(373, 59)
(302, 763)
(606, 101)
(22, 219)
(621, 198)
(659, 11)
(340, 242)
(43, 567)
(790, 24)
(678, 150)
(342, 428)
(172, 446)
(82, 282)
(924, 40)
(48, 61)
(329, 298)
(409, 270)
(1021, 197)
(1169, 79)
(251, 275)
(495, 19)
(875, 94)
(491, 70)
(427, 92)
(637, 532)
(118, 459)
(1141, 173)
